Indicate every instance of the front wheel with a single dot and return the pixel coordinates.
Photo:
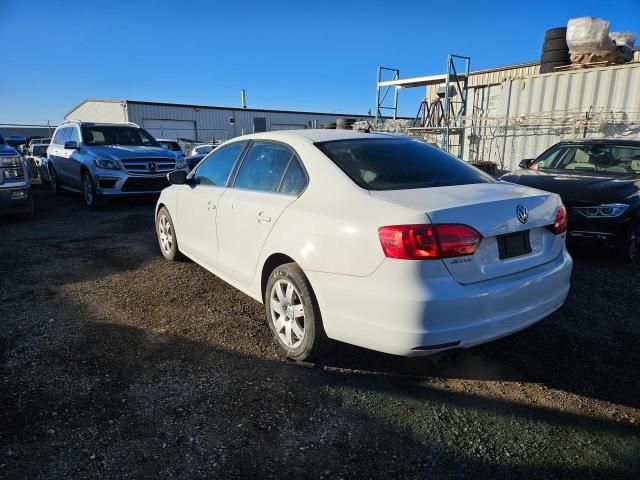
(167, 235)
(54, 183)
(293, 314)
(629, 247)
(91, 197)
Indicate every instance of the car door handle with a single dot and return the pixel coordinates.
(262, 218)
(211, 205)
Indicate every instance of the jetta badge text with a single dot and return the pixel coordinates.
(522, 213)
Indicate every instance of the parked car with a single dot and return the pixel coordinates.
(16, 141)
(104, 160)
(172, 145)
(37, 161)
(374, 240)
(202, 149)
(41, 141)
(193, 160)
(15, 189)
(599, 182)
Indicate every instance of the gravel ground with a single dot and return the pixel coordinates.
(118, 364)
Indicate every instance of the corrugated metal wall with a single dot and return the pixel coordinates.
(493, 76)
(213, 122)
(615, 88)
(521, 118)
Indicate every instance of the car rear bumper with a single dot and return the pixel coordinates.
(416, 308)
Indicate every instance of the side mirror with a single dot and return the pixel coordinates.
(71, 145)
(526, 162)
(177, 177)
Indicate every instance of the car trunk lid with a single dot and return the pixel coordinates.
(491, 209)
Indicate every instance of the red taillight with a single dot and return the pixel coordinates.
(426, 242)
(560, 221)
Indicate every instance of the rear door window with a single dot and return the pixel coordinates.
(295, 180)
(263, 167)
(399, 164)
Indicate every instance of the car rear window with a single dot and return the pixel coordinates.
(399, 164)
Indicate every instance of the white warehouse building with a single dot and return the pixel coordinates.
(200, 123)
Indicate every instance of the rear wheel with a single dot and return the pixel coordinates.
(293, 314)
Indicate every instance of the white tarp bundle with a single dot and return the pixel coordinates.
(589, 35)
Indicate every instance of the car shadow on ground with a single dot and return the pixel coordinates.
(102, 399)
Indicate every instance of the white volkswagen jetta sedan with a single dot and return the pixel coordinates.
(374, 240)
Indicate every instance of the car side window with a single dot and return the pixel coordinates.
(73, 135)
(294, 180)
(263, 167)
(215, 169)
(59, 137)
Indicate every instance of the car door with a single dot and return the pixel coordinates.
(197, 203)
(248, 211)
(54, 151)
(73, 159)
(61, 157)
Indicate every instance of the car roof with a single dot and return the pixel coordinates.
(314, 135)
(602, 141)
(166, 140)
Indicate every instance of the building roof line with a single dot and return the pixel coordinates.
(216, 107)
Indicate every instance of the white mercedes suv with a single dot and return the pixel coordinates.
(374, 240)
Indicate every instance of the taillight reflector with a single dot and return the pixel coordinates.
(560, 222)
(427, 242)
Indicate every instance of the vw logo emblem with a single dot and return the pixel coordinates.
(152, 165)
(522, 213)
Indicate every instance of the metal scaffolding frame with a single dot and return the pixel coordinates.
(453, 119)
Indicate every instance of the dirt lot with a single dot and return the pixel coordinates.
(116, 363)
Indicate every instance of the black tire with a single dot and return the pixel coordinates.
(89, 194)
(555, 33)
(555, 56)
(170, 252)
(314, 343)
(54, 183)
(628, 249)
(550, 67)
(555, 44)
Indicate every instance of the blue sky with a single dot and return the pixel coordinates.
(317, 55)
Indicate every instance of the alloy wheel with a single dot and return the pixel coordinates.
(634, 241)
(287, 313)
(54, 180)
(165, 234)
(87, 189)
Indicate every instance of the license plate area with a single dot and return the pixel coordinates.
(514, 244)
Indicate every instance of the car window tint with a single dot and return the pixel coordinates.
(215, 169)
(398, 164)
(263, 167)
(596, 158)
(294, 180)
(73, 135)
(61, 134)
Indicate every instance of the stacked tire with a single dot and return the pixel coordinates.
(555, 52)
